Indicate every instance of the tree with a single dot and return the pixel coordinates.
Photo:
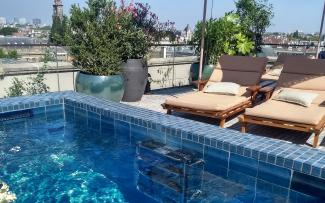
(255, 16)
(8, 31)
(58, 31)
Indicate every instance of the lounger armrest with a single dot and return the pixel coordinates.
(268, 91)
(253, 91)
(253, 88)
(200, 83)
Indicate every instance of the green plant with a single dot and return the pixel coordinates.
(2, 53)
(16, 89)
(134, 42)
(36, 84)
(8, 31)
(94, 37)
(255, 17)
(224, 35)
(58, 31)
(33, 85)
(13, 54)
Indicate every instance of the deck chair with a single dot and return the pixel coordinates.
(273, 73)
(302, 74)
(243, 70)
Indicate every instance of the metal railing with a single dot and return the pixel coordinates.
(29, 58)
(165, 62)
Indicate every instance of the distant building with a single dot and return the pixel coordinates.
(58, 9)
(186, 34)
(16, 20)
(3, 21)
(22, 21)
(37, 21)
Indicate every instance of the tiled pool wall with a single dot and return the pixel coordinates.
(262, 162)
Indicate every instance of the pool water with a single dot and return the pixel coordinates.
(52, 157)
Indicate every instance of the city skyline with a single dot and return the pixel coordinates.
(289, 15)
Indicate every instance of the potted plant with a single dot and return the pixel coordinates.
(223, 35)
(134, 47)
(94, 38)
(143, 29)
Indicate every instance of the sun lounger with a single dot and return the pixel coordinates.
(302, 75)
(242, 70)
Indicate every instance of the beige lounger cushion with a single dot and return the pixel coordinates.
(206, 101)
(283, 111)
(226, 88)
(299, 97)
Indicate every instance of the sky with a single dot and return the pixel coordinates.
(289, 15)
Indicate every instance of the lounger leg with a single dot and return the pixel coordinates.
(169, 112)
(222, 123)
(243, 127)
(316, 137)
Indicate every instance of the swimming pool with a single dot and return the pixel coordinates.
(69, 152)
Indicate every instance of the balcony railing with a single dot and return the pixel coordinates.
(169, 64)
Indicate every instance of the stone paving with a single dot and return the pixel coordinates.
(154, 100)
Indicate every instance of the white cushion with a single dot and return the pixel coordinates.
(227, 88)
(302, 98)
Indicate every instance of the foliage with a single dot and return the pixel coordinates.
(148, 21)
(94, 37)
(58, 31)
(134, 42)
(6, 31)
(2, 53)
(16, 89)
(10, 54)
(33, 85)
(223, 36)
(255, 17)
(36, 85)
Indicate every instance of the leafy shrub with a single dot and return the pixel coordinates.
(33, 85)
(12, 54)
(223, 36)
(16, 89)
(94, 37)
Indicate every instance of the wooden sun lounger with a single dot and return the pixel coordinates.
(300, 74)
(246, 71)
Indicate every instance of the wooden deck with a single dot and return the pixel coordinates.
(154, 100)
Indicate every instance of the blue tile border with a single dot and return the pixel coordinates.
(277, 153)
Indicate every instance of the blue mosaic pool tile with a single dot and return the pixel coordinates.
(263, 187)
(297, 197)
(243, 164)
(241, 178)
(274, 174)
(308, 185)
(216, 161)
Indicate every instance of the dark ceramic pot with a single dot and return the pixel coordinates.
(135, 74)
(108, 87)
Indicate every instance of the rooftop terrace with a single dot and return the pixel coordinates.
(154, 100)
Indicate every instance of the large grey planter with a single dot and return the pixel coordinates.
(107, 87)
(135, 74)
